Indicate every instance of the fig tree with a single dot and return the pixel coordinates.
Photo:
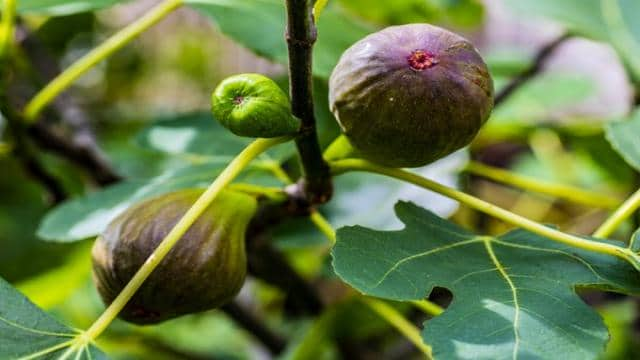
(411, 94)
(204, 270)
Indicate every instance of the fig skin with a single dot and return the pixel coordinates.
(253, 105)
(204, 270)
(408, 95)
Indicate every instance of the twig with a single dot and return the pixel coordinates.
(301, 35)
(539, 60)
(274, 342)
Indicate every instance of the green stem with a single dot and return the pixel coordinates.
(557, 190)
(318, 7)
(104, 50)
(277, 171)
(271, 193)
(339, 149)
(343, 166)
(7, 27)
(428, 307)
(324, 226)
(230, 172)
(619, 216)
(398, 321)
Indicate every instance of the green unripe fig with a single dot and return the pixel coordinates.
(408, 95)
(204, 270)
(253, 105)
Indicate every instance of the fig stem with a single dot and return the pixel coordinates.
(7, 26)
(272, 193)
(104, 50)
(226, 176)
(619, 216)
(559, 191)
(428, 307)
(343, 166)
(340, 148)
(322, 224)
(318, 7)
(301, 34)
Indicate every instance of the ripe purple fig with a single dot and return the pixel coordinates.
(408, 95)
(204, 270)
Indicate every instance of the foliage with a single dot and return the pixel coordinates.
(138, 125)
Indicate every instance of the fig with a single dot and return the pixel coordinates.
(253, 105)
(408, 95)
(204, 270)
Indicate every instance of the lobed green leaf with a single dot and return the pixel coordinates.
(513, 295)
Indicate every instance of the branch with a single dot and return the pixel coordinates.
(301, 35)
(541, 57)
(274, 342)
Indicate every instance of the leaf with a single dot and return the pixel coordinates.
(88, 216)
(260, 26)
(196, 133)
(63, 7)
(513, 295)
(625, 139)
(27, 332)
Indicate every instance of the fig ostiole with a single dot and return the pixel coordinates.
(253, 105)
(408, 95)
(203, 271)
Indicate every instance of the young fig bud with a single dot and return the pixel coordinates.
(204, 270)
(411, 94)
(253, 105)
